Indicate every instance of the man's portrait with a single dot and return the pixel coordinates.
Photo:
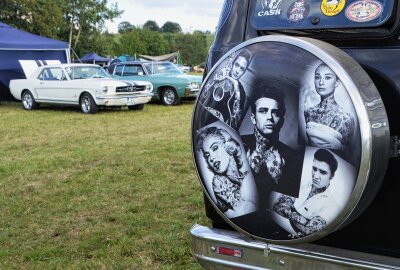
(274, 165)
(225, 96)
(327, 183)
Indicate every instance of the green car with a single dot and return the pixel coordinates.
(170, 84)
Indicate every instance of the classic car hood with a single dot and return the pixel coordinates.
(115, 83)
(189, 78)
(194, 78)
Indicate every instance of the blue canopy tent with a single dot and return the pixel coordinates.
(19, 45)
(94, 58)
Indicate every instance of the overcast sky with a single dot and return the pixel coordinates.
(189, 14)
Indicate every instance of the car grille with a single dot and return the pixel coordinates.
(130, 89)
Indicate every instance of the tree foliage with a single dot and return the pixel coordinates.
(81, 23)
(151, 25)
(85, 16)
(66, 20)
(125, 26)
(171, 27)
(41, 17)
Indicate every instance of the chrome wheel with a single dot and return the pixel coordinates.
(169, 97)
(88, 105)
(28, 101)
(85, 104)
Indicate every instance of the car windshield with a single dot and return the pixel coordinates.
(160, 68)
(86, 72)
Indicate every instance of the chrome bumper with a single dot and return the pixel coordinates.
(191, 92)
(123, 100)
(255, 255)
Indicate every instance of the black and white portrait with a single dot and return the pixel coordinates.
(326, 186)
(328, 118)
(275, 165)
(282, 115)
(224, 170)
(224, 95)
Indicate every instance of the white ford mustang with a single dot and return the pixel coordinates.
(86, 85)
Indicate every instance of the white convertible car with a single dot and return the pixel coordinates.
(86, 85)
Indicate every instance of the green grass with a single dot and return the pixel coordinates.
(114, 190)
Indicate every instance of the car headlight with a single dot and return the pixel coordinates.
(193, 85)
(104, 89)
(149, 87)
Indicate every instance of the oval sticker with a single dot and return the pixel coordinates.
(364, 11)
(332, 7)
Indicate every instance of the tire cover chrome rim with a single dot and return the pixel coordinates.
(292, 66)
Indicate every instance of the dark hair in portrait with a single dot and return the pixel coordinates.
(244, 53)
(327, 157)
(272, 93)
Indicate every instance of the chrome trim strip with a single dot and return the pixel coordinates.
(259, 255)
(57, 101)
(123, 97)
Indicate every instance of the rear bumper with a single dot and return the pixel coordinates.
(123, 100)
(257, 255)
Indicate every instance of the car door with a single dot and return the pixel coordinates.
(52, 86)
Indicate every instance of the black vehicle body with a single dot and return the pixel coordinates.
(377, 49)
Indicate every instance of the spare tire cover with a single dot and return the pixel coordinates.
(290, 138)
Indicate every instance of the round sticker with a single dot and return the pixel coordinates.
(332, 7)
(298, 11)
(364, 11)
(283, 140)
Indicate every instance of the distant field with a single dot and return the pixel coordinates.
(114, 190)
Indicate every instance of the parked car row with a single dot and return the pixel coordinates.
(130, 84)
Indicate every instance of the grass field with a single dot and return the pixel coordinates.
(114, 190)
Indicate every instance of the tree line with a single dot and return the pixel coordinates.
(81, 23)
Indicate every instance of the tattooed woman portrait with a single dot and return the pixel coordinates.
(328, 125)
(234, 191)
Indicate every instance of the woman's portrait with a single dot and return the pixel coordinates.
(328, 118)
(226, 178)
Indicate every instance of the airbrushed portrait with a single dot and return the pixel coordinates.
(224, 171)
(326, 185)
(270, 140)
(225, 94)
(327, 117)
